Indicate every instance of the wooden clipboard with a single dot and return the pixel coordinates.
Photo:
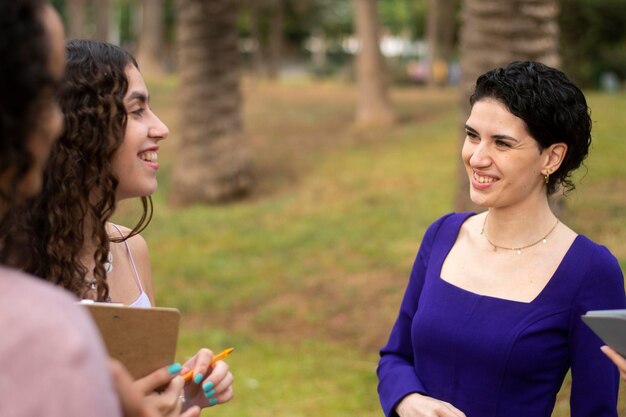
(143, 339)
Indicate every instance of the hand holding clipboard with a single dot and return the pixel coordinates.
(142, 339)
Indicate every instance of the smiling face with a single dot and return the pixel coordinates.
(135, 162)
(504, 163)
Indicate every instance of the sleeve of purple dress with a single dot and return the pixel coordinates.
(396, 374)
(595, 379)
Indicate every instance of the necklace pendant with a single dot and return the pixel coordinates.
(495, 248)
(519, 251)
(544, 241)
(108, 265)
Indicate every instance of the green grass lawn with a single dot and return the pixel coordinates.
(304, 278)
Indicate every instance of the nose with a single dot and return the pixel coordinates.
(158, 130)
(480, 157)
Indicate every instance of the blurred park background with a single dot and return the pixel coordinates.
(312, 142)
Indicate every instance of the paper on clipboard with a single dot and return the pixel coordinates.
(143, 339)
(610, 326)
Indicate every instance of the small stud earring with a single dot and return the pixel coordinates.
(546, 177)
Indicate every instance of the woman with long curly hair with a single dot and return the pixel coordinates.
(53, 362)
(107, 153)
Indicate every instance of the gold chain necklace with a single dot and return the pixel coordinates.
(516, 249)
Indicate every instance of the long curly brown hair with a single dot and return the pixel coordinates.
(47, 235)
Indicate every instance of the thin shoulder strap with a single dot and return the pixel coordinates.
(130, 256)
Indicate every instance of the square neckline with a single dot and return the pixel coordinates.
(551, 281)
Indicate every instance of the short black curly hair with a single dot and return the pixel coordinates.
(553, 108)
(24, 77)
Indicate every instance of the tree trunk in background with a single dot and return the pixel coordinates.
(432, 37)
(76, 13)
(213, 162)
(275, 39)
(255, 35)
(103, 11)
(440, 23)
(447, 24)
(373, 106)
(319, 48)
(494, 33)
(151, 37)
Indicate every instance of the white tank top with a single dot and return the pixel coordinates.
(142, 300)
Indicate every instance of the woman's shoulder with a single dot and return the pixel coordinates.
(599, 255)
(446, 227)
(45, 328)
(38, 307)
(14, 282)
(450, 221)
(135, 242)
(454, 216)
(598, 269)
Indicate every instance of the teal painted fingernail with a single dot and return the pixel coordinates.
(210, 393)
(198, 378)
(212, 401)
(174, 368)
(207, 386)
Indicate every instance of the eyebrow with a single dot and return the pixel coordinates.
(137, 95)
(471, 129)
(499, 137)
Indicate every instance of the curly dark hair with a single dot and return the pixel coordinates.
(25, 79)
(49, 234)
(553, 108)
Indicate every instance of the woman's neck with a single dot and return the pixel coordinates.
(517, 226)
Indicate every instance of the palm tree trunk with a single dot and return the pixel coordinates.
(432, 36)
(255, 35)
(213, 161)
(76, 21)
(373, 105)
(103, 10)
(275, 39)
(440, 24)
(151, 36)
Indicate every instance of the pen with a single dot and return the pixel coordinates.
(222, 355)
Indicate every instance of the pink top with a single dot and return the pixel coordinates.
(52, 359)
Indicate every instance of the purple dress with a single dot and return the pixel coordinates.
(493, 357)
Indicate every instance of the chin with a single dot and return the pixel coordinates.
(148, 192)
(479, 200)
(148, 187)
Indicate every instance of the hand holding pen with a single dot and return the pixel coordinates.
(220, 356)
(209, 381)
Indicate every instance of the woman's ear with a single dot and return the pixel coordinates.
(555, 154)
